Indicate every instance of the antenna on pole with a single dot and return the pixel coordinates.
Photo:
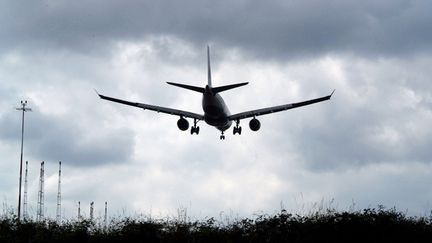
(40, 210)
(23, 109)
(58, 215)
(25, 214)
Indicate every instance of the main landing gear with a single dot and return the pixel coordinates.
(195, 129)
(237, 128)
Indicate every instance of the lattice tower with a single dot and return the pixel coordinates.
(40, 209)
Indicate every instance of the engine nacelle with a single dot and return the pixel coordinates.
(183, 124)
(254, 124)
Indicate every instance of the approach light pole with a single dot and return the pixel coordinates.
(23, 109)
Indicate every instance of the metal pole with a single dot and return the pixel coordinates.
(23, 109)
(91, 210)
(58, 216)
(105, 216)
(25, 214)
(79, 210)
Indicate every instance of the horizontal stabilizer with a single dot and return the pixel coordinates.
(227, 87)
(190, 87)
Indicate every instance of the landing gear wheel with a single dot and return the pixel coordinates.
(195, 130)
(237, 128)
(222, 137)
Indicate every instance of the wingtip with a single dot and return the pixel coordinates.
(97, 93)
(332, 92)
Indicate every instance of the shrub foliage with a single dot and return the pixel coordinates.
(368, 225)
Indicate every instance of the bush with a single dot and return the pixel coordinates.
(368, 225)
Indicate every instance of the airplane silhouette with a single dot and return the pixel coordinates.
(216, 112)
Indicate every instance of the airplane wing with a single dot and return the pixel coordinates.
(274, 109)
(154, 108)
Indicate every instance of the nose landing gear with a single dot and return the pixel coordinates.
(222, 137)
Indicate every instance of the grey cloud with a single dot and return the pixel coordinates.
(112, 147)
(50, 138)
(381, 118)
(275, 29)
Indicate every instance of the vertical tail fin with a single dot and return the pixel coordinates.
(208, 68)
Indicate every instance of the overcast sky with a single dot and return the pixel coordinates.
(369, 145)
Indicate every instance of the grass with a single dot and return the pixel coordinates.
(368, 225)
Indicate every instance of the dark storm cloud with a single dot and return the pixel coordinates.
(267, 28)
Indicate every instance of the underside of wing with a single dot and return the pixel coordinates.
(155, 108)
(274, 109)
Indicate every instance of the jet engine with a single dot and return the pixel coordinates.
(254, 124)
(183, 124)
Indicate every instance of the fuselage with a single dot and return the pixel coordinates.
(215, 110)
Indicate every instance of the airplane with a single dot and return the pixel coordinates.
(216, 112)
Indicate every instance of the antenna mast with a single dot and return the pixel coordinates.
(58, 216)
(40, 210)
(23, 109)
(25, 214)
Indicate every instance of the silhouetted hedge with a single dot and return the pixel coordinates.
(368, 225)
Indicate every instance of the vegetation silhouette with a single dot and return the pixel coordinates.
(368, 225)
